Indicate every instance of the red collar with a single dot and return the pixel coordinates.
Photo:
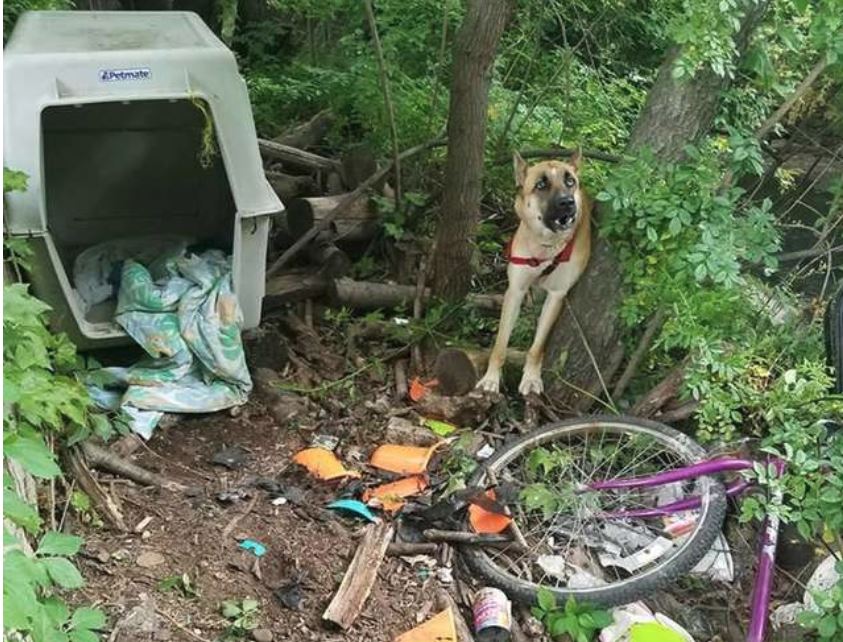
(563, 257)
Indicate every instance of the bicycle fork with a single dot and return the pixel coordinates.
(763, 585)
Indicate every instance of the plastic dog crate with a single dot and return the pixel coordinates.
(130, 125)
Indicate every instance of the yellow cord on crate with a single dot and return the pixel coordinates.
(208, 149)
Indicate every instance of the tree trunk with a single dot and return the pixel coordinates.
(474, 53)
(675, 114)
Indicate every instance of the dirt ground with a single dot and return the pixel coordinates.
(307, 547)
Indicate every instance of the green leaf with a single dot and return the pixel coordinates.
(440, 428)
(63, 572)
(19, 605)
(57, 610)
(602, 619)
(546, 598)
(30, 451)
(827, 626)
(88, 618)
(13, 180)
(19, 512)
(249, 605)
(54, 543)
(230, 610)
(83, 635)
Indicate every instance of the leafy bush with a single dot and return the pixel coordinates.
(827, 620)
(581, 622)
(41, 396)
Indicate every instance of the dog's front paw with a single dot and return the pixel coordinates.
(491, 382)
(531, 384)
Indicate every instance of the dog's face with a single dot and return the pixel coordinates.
(549, 200)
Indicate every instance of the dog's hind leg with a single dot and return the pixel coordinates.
(509, 315)
(531, 380)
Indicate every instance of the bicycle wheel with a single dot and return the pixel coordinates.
(578, 542)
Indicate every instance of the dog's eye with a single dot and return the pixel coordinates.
(570, 181)
(541, 184)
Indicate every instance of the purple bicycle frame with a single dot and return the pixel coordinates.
(763, 584)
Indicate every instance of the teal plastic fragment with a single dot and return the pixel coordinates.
(354, 506)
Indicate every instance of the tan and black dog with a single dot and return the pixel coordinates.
(550, 248)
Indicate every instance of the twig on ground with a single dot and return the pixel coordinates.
(102, 458)
(181, 627)
(237, 518)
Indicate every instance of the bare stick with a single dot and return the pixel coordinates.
(401, 386)
(679, 413)
(387, 99)
(107, 460)
(236, 519)
(296, 157)
(653, 326)
(791, 100)
(399, 549)
(465, 537)
(101, 499)
(181, 627)
(360, 576)
(350, 198)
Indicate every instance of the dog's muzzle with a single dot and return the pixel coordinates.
(561, 214)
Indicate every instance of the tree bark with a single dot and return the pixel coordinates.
(474, 53)
(675, 114)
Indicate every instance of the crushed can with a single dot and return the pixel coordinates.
(492, 614)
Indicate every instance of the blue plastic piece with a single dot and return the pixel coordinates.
(354, 506)
(256, 547)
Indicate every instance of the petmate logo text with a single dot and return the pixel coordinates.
(114, 75)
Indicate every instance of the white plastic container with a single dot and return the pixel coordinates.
(107, 113)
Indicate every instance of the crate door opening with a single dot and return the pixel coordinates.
(136, 175)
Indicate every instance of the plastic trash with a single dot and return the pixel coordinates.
(486, 522)
(404, 460)
(823, 578)
(354, 506)
(323, 464)
(440, 627)
(258, 549)
(391, 496)
(328, 442)
(636, 623)
(419, 390)
(440, 428)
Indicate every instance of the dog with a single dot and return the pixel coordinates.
(551, 248)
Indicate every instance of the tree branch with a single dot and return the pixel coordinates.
(653, 326)
(387, 99)
(790, 101)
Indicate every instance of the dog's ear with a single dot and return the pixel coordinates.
(576, 158)
(520, 167)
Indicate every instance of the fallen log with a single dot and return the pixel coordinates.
(459, 369)
(659, 395)
(308, 134)
(360, 576)
(331, 261)
(357, 222)
(358, 164)
(293, 286)
(349, 200)
(289, 187)
(368, 296)
(296, 158)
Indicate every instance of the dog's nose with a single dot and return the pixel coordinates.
(563, 201)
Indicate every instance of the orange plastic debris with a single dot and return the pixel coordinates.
(440, 627)
(419, 389)
(323, 464)
(391, 496)
(404, 460)
(486, 522)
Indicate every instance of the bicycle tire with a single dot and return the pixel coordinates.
(636, 587)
